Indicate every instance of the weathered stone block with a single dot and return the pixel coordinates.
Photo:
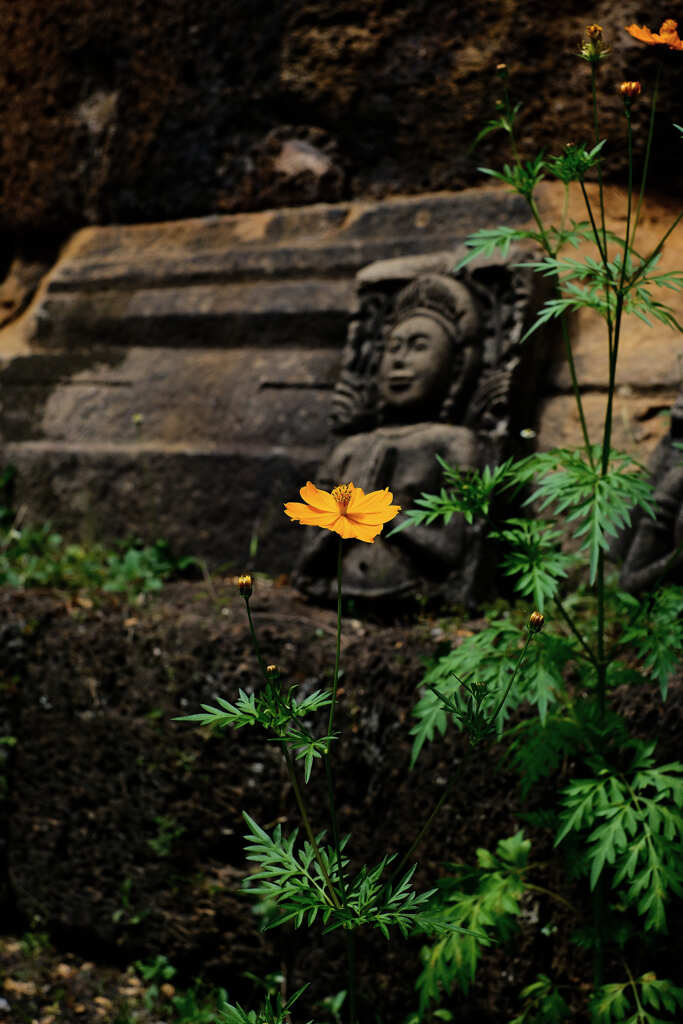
(175, 379)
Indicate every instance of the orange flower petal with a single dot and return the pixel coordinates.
(310, 516)
(375, 518)
(318, 499)
(643, 34)
(347, 530)
(371, 502)
(667, 35)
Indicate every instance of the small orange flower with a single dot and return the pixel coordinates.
(667, 35)
(348, 510)
(629, 90)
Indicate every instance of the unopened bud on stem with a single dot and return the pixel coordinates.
(629, 90)
(246, 585)
(536, 621)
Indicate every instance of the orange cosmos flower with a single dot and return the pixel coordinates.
(667, 35)
(348, 510)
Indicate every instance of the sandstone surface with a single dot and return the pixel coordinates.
(146, 112)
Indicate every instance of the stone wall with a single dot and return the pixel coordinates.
(144, 112)
(174, 380)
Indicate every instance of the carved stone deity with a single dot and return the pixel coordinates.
(653, 550)
(428, 369)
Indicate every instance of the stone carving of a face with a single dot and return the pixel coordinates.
(415, 366)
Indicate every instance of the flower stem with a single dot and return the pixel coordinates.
(572, 625)
(495, 714)
(576, 389)
(257, 649)
(425, 827)
(350, 938)
(648, 150)
(596, 133)
(307, 826)
(335, 679)
(294, 782)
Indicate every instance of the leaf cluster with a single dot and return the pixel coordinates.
(277, 1012)
(522, 175)
(534, 558)
(291, 877)
(543, 1004)
(628, 1002)
(485, 902)
(276, 710)
(654, 630)
(597, 503)
(488, 658)
(469, 493)
(632, 822)
(574, 162)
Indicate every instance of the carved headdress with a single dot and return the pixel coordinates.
(445, 300)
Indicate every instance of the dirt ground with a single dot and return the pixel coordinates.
(121, 835)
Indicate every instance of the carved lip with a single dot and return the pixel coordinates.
(401, 379)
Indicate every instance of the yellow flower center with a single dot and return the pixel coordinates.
(342, 495)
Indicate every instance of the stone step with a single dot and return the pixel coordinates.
(222, 505)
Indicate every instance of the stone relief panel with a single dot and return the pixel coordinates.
(434, 364)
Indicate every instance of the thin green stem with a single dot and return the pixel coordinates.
(335, 828)
(575, 388)
(601, 667)
(594, 226)
(629, 200)
(425, 827)
(295, 784)
(565, 333)
(645, 265)
(541, 227)
(596, 134)
(257, 649)
(328, 764)
(307, 826)
(335, 680)
(648, 151)
(570, 622)
(609, 412)
(529, 638)
(599, 919)
(548, 892)
(565, 208)
(634, 988)
(350, 939)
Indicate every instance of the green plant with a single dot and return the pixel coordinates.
(619, 818)
(309, 880)
(33, 556)
(193, 1005)
(167, 832)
